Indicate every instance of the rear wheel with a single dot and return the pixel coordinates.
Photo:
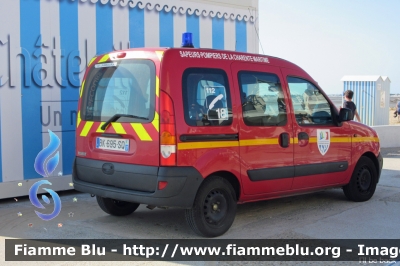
(116, 207)
(214, 208)
(363, 182)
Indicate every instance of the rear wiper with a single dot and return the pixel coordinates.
(118, 116)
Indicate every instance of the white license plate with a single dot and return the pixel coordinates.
(112, 144)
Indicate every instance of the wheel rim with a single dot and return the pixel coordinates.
(364, 180)
(215, 207)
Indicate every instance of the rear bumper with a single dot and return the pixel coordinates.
(137, 183)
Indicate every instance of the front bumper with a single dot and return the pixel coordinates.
(137, 183)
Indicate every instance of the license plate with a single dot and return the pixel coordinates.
(112, 144)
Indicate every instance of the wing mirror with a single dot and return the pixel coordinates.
(345, 114)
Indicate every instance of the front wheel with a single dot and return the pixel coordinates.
(214, 208)
(116, 207)
(363, 182)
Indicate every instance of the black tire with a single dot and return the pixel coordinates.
(214, 208)
(116, 207)
(363, 182)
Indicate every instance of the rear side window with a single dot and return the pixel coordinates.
(263, 102)
(206, 97)
(125, 87)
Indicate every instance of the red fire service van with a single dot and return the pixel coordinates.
(205, 129)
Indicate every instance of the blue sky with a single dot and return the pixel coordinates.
(333, 38)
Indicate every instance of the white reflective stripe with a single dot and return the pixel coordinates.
(10, 96)
(86, 34)
(167, 150)
(206, 32)
(51, 98)
(151, 28)
(252, 44)
(230, 35)
(179, 28)
(120, 28)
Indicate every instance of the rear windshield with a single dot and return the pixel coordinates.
(125, 87)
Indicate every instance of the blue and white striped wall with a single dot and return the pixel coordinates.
(45, 46)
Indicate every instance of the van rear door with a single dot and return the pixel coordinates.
(118, 117)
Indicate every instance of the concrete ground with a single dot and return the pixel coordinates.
(320, 215)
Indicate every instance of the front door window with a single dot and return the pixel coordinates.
(309, 105)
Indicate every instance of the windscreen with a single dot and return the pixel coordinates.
(126, 87)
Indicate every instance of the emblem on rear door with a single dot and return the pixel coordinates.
(323, 140)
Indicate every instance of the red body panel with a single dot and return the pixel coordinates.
(363, 141)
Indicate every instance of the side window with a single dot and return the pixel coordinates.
(206, 97)
(263, 103)
(309, 104)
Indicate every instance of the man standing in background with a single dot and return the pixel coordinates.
(348, 103)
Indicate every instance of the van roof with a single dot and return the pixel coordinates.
(207, 53)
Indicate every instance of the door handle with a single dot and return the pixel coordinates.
(303, 139)
(284, 140)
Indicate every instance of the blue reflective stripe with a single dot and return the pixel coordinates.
(358, 95)
(370, 97)
(363, 101)
(1, 163)
(193, 26)
(218, 33)
(136, 27)
(367, 105)
(31, 95)
(69, 93)
(166, 29)
(241, 36)
(375, 100)
(104, 28)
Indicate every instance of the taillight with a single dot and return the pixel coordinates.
(167, 131)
